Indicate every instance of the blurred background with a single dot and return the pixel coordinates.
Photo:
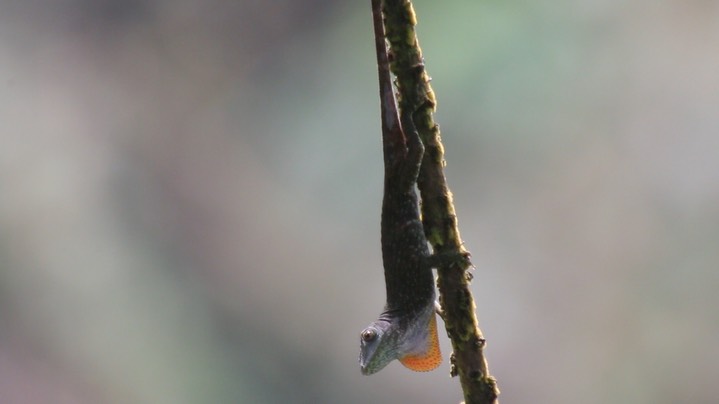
(190, 197)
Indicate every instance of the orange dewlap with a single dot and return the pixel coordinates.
(431, 358)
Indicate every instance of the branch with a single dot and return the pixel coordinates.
(438, 215)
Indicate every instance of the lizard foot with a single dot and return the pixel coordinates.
(449, 258)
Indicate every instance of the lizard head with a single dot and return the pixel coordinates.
(415, 344)
(378, 346)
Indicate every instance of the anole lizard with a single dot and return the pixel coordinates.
(407, 328)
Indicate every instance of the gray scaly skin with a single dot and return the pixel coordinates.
(403, 327)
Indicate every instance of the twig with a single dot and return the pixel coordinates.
(438, 215)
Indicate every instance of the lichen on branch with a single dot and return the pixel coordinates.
(438, 213)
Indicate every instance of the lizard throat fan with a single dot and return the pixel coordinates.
(430, 357)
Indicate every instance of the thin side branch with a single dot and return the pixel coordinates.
(438, 214)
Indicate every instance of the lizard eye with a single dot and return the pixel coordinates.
(368, 335)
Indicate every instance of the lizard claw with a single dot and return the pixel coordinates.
(438, 309)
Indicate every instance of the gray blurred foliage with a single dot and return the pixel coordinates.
(189, 198)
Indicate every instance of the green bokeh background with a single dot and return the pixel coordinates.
(190, 196)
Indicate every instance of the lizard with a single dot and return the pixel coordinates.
(407, 327)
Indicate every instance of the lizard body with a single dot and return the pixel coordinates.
(407, 328)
